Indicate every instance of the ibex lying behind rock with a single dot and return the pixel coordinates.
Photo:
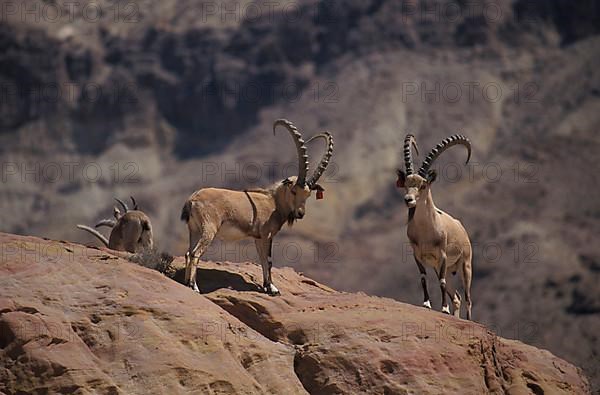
(256, 213)
(131, 231)
(437, 239)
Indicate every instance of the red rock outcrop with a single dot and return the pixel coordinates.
(81, 320)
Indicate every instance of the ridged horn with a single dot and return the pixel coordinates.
(324, 160)
(135, 206)
(95, 233)
(409, 142)
(440, 148)
(106, 222)
(122, 203)
(300, 148)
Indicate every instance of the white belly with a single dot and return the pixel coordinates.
(229, 232)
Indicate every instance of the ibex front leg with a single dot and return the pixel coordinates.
(442, 277)
(264, 248)
(426, 300)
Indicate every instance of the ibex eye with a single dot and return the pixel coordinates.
(293, 192)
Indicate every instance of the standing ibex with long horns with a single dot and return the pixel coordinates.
(131, 230)
(437, 239)
(253, 213)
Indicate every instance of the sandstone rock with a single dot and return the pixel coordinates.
(82, 320)
(79, 320)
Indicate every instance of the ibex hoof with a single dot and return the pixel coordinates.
(194, 286)
(427, 304)
(271, 290)
(446, 309)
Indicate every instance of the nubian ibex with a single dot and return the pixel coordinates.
(253, 213)
(131, 230)
(438, 240)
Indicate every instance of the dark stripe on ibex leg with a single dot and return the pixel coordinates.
(442, 278)
(423, 282)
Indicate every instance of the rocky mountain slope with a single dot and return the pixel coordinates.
(156, 99)
(81, 320)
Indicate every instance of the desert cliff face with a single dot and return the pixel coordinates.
(166, 97)
(82, 320)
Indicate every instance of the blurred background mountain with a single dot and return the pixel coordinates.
(159, 98)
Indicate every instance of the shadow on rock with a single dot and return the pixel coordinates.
(210, 280)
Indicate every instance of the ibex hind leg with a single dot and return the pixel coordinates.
(199, 242)
(190, 269)
(467, 274)
(454, 297)
(190, 272)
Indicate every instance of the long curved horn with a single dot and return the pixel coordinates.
(106, 222)
(300, 148)
(95, 233)
(324, 160)
(135, 206)
(440, 148)
(409, 141)
(122, 203)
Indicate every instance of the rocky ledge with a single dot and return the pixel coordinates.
(82, 320)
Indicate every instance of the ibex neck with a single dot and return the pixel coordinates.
(425, 209)
(280, 207)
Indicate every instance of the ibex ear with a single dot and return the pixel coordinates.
(401, 179)
(431, 176)
(319, 190)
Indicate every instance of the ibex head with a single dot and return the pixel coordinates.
(131, 229)
(294, 191)
(415, 184)
(295, 196)
(145, 240)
